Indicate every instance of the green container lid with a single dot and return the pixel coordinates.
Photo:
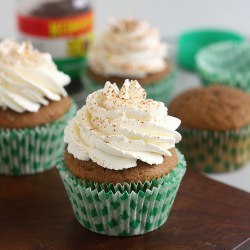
(226, 63)
(190, 42)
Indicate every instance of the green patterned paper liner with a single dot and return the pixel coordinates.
(226, 63)
(123, 209)
(215, 151)
(159, 91)
(33, 150)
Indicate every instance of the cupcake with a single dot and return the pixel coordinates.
(34, 109)
(215, 127)
(226, 63)
(130, 48)
(120, 168)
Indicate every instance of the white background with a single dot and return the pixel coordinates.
(170, 16)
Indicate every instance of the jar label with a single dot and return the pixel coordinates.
(55, 27)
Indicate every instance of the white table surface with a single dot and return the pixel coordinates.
(185, 80)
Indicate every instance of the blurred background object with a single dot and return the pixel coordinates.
(171, 16)
(190, 42)
(226, 63)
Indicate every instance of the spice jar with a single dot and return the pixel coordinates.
(63, 28)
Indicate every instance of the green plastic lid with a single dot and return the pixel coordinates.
(190, 42)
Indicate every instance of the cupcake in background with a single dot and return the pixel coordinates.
(121, 169)
(215, 127)
(34, 109)
(130, 48)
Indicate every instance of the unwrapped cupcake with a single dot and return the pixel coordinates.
(215, 127)
(34, 109)
(130, 48)
(121, 169)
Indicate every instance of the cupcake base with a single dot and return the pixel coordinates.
(216, 151)
(32, 150)
(123, 209)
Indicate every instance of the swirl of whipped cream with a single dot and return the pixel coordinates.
(129, 48)
(28, 78)
(118, 127)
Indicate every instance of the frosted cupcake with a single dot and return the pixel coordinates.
(121, 169)
(34, 109)
(132, 49)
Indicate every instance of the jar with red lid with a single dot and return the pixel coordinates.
(63, 28)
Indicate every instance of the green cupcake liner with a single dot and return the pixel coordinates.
(33, 150)
(123, 209)
(226, 63)
(215, 151)
(159, 91)
(190, 42)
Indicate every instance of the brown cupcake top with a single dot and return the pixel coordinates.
(119, 80)
(91, 171)
(46, 114)
(212, 108)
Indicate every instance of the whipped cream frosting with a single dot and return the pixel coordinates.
(28, 78)
(118, 127)
(128, 48)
